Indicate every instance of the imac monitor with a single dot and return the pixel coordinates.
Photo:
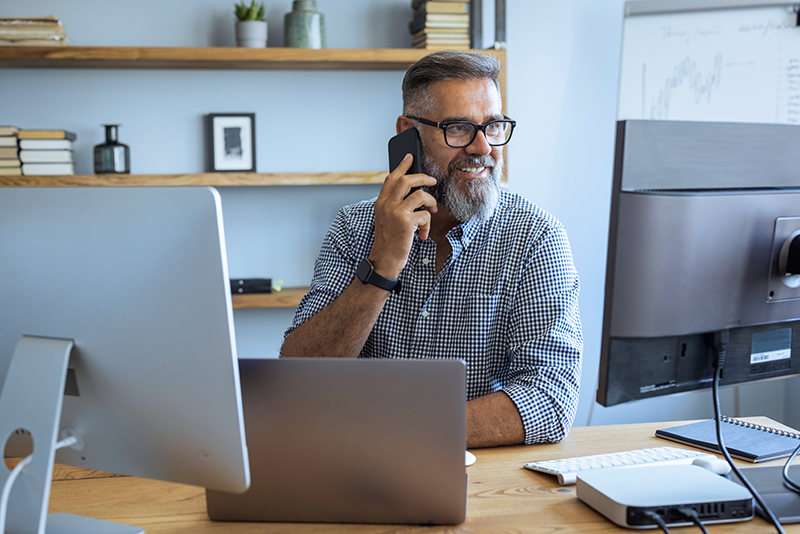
(132, 284)
(703, 249)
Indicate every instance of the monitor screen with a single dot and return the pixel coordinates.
(137, 278)
(703, 216)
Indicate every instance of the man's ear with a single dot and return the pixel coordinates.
(403, 124)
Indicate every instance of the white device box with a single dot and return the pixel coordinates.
(624, 495)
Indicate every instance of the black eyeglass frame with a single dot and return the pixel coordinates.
(476, 127)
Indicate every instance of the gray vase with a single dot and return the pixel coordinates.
(304, 26)
(251, 33)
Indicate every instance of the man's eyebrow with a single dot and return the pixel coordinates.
(466, 119)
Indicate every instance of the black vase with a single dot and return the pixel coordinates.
(112, 156)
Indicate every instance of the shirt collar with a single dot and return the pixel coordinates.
(466, 231)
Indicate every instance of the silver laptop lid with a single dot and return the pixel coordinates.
(356, 441)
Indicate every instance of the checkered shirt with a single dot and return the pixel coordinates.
(506, 302)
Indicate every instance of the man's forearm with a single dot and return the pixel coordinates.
(492, 421)
(340, 329)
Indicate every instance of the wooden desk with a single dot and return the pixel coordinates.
(503, 496)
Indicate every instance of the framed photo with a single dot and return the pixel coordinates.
(232, 142)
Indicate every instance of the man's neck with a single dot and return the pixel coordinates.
(441, 223)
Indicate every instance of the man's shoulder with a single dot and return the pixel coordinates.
(357, 216)
(517, 211)
(361, 210)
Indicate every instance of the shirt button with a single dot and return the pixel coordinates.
(426, 261)
(425, 314)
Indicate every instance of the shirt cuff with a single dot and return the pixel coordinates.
(538, 418)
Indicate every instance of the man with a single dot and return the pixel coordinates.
(482, 274)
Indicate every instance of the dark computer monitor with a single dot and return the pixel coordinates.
(117, 329)
(701, 258)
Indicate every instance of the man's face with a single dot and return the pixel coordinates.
(467, 177)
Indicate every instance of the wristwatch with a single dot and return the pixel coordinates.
(366, 273)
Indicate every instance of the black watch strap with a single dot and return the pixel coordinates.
(366, 273)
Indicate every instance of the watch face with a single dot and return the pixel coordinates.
(364, 269)
(366, 273)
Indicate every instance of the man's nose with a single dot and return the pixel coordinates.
(479, 145)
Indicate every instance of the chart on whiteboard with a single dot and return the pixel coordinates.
(731, 65)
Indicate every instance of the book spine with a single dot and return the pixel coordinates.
(47, 134)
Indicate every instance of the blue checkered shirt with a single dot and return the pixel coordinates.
(506, 302)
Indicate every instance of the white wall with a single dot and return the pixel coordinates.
(563, 65)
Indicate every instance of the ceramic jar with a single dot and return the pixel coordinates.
(304, 26)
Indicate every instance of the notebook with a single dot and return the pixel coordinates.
(744, 441)
(352, 441)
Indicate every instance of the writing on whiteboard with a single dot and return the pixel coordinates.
(740, 65)
(686, 35)
(686, 76)
(765, 27)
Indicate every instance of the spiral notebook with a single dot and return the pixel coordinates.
(745, 441)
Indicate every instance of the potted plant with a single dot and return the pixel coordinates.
(251, 28)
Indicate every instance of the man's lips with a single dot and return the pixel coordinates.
(474, 171)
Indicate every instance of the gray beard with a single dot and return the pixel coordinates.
(470, 199)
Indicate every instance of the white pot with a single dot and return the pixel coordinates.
(251, 33)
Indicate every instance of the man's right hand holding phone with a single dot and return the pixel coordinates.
(397, 218)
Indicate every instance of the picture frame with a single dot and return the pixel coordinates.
(231, 142)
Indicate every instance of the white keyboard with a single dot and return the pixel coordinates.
(567, 469)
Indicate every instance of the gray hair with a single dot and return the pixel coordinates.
(444, 65)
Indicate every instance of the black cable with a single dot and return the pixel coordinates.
(692, 515)
(658, 520)
(726, 454)
(787, 480)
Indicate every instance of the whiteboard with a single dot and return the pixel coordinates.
(738, 65)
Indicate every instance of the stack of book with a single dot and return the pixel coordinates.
(46, 152)
(9, 156)
(440, 24)
(32, 31)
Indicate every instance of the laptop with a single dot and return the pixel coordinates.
(351, 441)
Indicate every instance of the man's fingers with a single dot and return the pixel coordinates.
(423, 224)
(396, 219)
(398, 184)
(391, 181)
(403, 166)
(422, 199)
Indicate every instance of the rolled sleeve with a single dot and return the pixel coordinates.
(547, 342)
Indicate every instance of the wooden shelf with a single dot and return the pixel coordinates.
(288, 297)
(217, 179)
(223, 58)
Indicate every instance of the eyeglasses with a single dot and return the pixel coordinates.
(460, 134)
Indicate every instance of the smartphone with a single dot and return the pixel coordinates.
(406, 143)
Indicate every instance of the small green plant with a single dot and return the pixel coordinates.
(255, 11)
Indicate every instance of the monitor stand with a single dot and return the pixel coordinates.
(31, 399)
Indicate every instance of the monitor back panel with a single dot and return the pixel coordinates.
(138, 278)
(355, 441)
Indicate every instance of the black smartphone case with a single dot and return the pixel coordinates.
(405, 143)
